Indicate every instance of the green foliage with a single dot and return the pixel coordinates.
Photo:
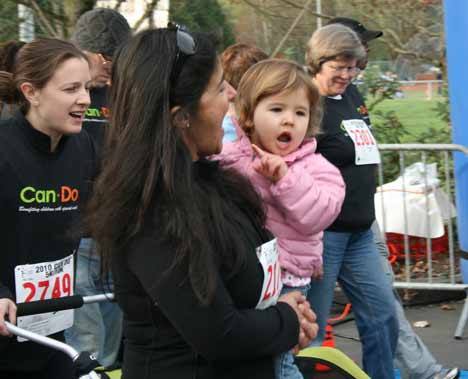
(388, 127)
(9, 20)
(57, 17)
(205, 16)
(442, 107)
(377, 87)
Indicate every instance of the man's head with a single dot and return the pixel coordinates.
(364, 34)
(99, 32)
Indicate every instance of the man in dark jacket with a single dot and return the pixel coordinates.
(97, 327)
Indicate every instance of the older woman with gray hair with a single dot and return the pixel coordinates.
(350, 256)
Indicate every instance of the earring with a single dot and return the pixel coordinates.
(187, 125)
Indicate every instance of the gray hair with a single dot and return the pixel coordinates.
(331, 42)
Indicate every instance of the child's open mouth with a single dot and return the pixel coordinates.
(283, 141)
(284, 137)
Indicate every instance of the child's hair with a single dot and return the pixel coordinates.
(237, 59)
(271, 77)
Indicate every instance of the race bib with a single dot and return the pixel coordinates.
(269, 259)
(41, 281)
(364, 142)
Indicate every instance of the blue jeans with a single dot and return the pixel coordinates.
(412, 356)
(353, 261)
(97, 328)
(285, 368)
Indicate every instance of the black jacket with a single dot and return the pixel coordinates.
(357, 212)
(169, 334)
(96, 116)
(41, 193)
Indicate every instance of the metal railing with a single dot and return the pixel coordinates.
(429, 282)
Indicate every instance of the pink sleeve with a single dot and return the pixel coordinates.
(236, 155)
(311, 198)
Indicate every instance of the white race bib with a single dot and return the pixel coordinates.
(364, 142)
(41, 281)
(269, 259)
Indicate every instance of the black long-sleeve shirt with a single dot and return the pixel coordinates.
(41, 193)
(357, 212)
(169, 334)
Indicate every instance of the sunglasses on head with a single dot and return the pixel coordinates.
(185, 47)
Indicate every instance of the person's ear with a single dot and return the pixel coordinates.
(30, 93)
(180, 118)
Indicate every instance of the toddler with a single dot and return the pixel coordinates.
(279, 112)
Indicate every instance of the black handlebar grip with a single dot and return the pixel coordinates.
(50, 305)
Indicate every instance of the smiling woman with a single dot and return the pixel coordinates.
(52, 89)
(58, 108)
(349, 252)
(46, 165)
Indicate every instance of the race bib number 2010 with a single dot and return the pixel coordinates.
(42, 281)
(269, 259)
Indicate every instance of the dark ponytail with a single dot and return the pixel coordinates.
(9, 94)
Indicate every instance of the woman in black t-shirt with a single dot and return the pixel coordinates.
(184, 239)
(46, 165)
(349, 253)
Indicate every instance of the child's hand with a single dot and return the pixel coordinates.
(318, 274)
(271, 166)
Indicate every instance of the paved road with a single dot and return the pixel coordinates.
(438, 336)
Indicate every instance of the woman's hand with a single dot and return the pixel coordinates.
(305, 315)
(7, 308)
(271, 166)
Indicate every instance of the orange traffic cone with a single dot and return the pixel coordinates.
(329, 341)
(329, 337)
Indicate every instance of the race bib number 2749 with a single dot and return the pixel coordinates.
(42, 281)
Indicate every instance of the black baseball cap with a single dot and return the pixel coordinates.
(364, 34)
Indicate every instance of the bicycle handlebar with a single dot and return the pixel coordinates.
(59, 304)
(82, 362)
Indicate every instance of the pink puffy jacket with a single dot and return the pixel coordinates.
(299, 206)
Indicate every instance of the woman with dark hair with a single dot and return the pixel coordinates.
(46, 165)
(8, 53)
(349, 252)
(185, 240)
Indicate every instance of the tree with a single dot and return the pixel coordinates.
(53, 18)
(9, 21)
(266, 23)
(413, 29)
(56, 18)
(203, 15)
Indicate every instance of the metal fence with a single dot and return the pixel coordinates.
(425, 153)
